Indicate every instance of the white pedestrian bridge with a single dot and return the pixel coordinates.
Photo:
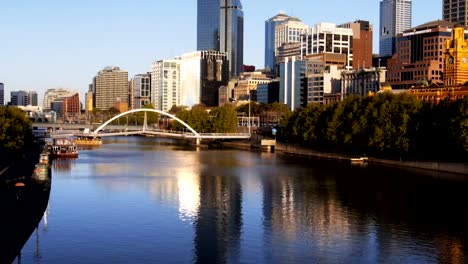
(108, 130)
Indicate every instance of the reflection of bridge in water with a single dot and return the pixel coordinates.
(126, 130)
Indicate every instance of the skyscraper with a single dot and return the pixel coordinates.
(111, 87)
(208, 24)
(231, 37)
(270, 26)
(395, 17)
(165, 84)
(455, 11)
(2, 94)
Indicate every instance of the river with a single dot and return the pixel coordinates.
(147, 200)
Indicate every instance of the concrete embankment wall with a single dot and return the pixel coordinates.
(457, 168)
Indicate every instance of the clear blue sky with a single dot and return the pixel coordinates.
(60, 43)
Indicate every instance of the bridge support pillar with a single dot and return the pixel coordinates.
(198, 141)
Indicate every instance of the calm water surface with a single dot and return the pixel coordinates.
(142, 200)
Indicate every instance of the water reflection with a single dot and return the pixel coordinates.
(357, 215)
(219, 222)
(137, 200)
(64, 164)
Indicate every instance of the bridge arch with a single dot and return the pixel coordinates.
(145, 110)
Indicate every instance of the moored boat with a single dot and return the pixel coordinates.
(63, 148)
(88, 141)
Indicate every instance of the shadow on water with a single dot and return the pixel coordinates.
(22, 209)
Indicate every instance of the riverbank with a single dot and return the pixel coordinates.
(287, 149)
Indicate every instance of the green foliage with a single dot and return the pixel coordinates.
(151, 118)
(219, 120)
(386, 125)
(223, 119)
(15, 131)
(177, 109)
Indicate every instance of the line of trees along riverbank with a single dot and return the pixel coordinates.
(15, 133)
(384, 126)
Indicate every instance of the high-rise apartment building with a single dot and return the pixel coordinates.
(361, 43)
(165, 84)
(208, 18)
(2, 94)
(328, 38)
(395, 17)
(455, 11)
(111, 87)
(270, 26)
(231, 35)
(142, 90)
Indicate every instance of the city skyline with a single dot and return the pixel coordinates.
(70, 42)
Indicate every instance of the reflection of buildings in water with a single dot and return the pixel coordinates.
(293, 208)
(64, 164)
(164, 190)
(189, 194)
(219, 222)
(45, 218)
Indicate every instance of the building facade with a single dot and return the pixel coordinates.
(268, 93)
(455, 11)
(420, 55)
(362, 82)
(322, 80)
(247, 83)
(71, 104)
(208, 18)
(2, 94)
(111, 86)
(293, 83)
(270, 26)
(395, 17)
(32, 98)
(361, 43)
(51, 95)
(141, 87)
(214, 74)
(89, 102)
(165, 83)
(456, 58)
(231, 37)
(328, 38)
(288, 32)
(19, 98)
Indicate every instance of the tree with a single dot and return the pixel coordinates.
(223, 119)
(15, 131)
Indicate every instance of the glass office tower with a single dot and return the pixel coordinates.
(208, 24)
(270, 26)
(395, 17)
(232, 34)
